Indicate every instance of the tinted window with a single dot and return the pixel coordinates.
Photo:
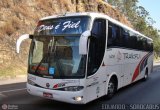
(121, 37)
(125, 36)
(96, 46)
(114, 38)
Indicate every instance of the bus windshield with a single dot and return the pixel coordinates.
(63, 25)
(54, 51)
(56, 57)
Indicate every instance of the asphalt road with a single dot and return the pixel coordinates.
(15, 96)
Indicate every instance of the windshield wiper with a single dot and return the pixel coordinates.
(46, 56)
(36, 71)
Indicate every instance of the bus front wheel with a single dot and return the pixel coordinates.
(112, 88)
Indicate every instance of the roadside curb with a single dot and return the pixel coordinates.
(156, 63)
(10, 80)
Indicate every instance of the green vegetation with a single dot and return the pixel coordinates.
(140, 19)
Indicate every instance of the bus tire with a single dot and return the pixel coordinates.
(112, 88)
(146, 75)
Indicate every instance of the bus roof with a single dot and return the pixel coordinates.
(95, 15)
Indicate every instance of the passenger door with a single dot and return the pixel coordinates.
(97, 42)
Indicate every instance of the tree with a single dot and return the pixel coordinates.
(139, 18)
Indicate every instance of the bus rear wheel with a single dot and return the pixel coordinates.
(146, 75)
(112, 88)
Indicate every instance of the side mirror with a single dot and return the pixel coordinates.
(20, 39)
(83, 48)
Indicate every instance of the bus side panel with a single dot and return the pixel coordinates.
(95, 85)
(113, 66)
(129, 65)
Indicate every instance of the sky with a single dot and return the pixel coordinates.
(153, 7)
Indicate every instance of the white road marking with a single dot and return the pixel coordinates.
(14, 90)
(2, 96)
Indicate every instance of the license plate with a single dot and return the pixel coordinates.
(47, 95)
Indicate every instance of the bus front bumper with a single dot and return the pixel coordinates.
(63, 96)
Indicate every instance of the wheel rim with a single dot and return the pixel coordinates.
(111, 88)
(145, 76)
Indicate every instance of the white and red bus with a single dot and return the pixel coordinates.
(79, 57)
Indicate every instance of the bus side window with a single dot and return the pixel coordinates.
(115, 37)
(109, 41)
(112, 34)
(96, 29)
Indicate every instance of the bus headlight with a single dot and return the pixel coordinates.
(79, 98)
(73, 88)
(31, 82)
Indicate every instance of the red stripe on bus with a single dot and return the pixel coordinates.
(136, 72)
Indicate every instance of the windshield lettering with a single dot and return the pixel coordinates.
(69, 24)
(66, 25)
(62, 26)
(43, 27)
